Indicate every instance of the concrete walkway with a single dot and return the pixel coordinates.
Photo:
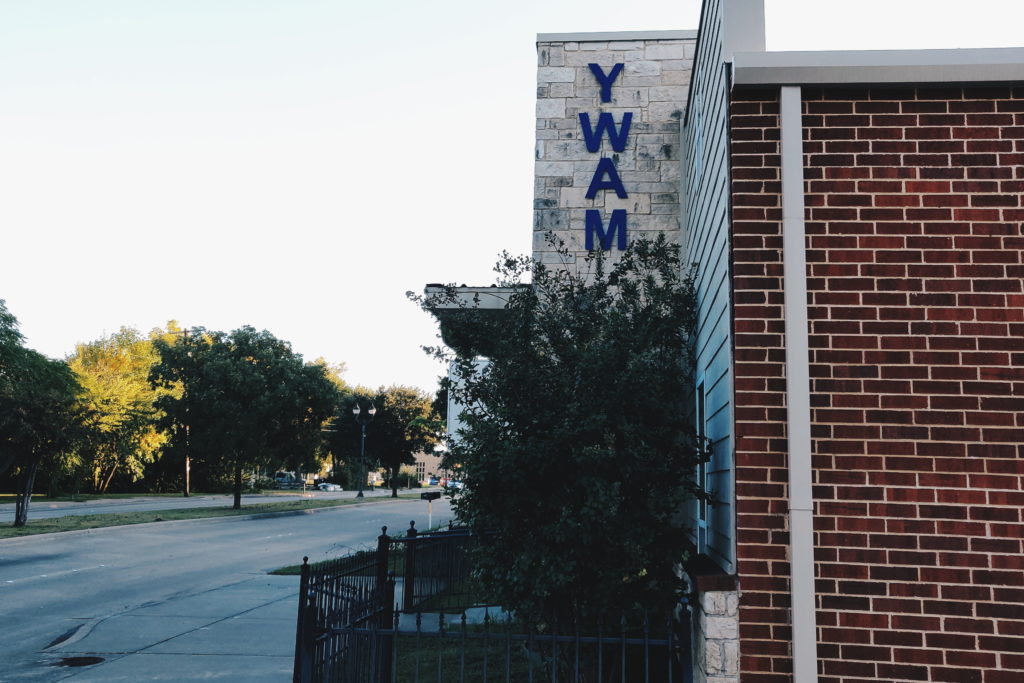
(42, 508)
(243, 632)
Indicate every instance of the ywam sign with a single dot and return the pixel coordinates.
(606, 176)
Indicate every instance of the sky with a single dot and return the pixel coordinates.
(298, 165)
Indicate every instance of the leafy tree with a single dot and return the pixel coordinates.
(576, 446)
(343, 437)
(248, 401)
(333, 372)
(40, 415)
(11, 355)
(114, 372)
(405, 425)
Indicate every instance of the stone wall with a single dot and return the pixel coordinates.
(716, 642)
(651, 88)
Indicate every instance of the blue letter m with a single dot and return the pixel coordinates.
(616, 228)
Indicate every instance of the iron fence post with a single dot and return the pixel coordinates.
(302, 672)
(383, 546)
(387, 622)
(385, 602)
(408, 588)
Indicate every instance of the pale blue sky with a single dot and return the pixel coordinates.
(297, 165)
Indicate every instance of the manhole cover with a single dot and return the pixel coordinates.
(78, 661)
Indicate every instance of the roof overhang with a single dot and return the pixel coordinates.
(457, 309)
(879, 67)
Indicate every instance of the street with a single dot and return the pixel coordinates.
(53, 586)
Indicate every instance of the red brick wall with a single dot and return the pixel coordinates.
(916, 312)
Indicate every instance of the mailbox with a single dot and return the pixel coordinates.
(430, 495)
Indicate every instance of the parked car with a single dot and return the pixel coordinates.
(456, 484)
(326, 486)
(433, 481)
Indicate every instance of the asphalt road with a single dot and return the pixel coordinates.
(52, 584)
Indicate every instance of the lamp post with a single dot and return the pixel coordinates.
(362, 421)
(184, 397)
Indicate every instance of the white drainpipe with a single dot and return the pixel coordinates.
(798, 409)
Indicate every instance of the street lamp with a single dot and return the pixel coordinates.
(362, 421)
(184, 397)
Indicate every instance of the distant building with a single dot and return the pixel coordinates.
(428, 465)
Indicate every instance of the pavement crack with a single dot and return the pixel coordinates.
(64, 636)
(75, 634)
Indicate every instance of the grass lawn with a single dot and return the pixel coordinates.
(10, 497)
(83, 497)
(73, 523)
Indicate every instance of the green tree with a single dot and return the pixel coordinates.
(576, 445)
(333, 372)
(405, 424)
(114, 372)
(40, 414)
(343, 437)
(248, 401)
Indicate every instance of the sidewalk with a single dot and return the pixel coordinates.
(243, 632)
(42, 508)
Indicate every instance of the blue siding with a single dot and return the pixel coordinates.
(705, 211)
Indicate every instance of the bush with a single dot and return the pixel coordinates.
(576, 446)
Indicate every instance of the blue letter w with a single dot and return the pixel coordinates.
(616, 227)
(605, 124)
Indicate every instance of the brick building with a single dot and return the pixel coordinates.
(874, 389)
(913, 263)
(856, 218)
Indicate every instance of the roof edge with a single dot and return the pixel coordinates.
(849, 67)
(602, 36)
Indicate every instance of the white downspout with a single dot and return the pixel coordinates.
(798, 389)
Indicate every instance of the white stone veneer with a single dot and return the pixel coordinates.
(653, 86)
(716, 652)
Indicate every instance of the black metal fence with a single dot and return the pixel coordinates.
(350, 629)
(436, 563)
(507, 650)
(334, 597)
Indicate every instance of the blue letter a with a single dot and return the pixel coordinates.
(616, 227)
(605, 124)
(606, 166)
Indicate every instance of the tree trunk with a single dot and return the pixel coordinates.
(25, 495)
(394, 482)
(106, 482)
(238, 486)
(6, 460)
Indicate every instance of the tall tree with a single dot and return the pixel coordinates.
(11, 354)
(343, 436)
(249, 401)
(576, 444)
(113, 372)
(333, 372)
(40, 415)
(405, 424)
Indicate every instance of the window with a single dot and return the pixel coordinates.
(702, 470)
